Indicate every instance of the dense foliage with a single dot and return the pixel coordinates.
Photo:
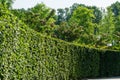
(81, 24)
(28, 51)
(28, 55)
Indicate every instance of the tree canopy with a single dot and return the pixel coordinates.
(81, 24)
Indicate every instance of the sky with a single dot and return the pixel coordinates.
(55, 4)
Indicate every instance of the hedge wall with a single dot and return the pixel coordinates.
(28, 55)
(110, 64)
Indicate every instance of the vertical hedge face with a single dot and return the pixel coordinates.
(110, 64)
(28, 55)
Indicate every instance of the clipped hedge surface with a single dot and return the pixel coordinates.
(110, 64)
(28, 55)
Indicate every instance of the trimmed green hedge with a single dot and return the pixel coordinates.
(110, 63)
(28, 55)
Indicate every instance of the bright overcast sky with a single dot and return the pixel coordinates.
(61, 3)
